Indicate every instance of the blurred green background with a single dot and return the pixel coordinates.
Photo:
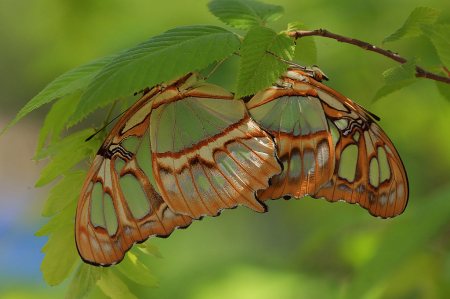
(300, 249)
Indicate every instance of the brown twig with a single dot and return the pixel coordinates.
(421, 72)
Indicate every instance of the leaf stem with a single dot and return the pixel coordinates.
(421, 72)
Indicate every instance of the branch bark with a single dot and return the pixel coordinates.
(420, 72)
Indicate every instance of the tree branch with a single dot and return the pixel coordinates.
(421, 72)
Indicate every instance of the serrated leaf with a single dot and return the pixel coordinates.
(439, 34)
(113, 286)
(62, 193)
(400, 73)
(161, 58)
(60, 254)
(57, 118)
(60, 219)
(411, 27)
(305, 48)
(444, 89)
(64, 161)
(259, 69)
(84, 280)
(66, 84)
(244, 14)
(61, 144)
(133, 269)
(390, 88)
(149, 248)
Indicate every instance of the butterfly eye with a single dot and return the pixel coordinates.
(318, 75)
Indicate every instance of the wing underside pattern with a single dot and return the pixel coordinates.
(183, 151)
(363, 165)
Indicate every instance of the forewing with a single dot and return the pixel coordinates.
(118, 205)
(208, 154)
(294, 115)
(368, 169)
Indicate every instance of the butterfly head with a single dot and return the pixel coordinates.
(297, 72)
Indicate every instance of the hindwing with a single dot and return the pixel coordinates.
(183, 151)
(339, 152)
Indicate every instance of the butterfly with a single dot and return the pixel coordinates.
(330, 147)
(184, 150)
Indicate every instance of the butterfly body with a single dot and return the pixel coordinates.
(186, 149)
(330, 147)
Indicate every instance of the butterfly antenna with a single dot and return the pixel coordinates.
(368, 112)
(90, 137)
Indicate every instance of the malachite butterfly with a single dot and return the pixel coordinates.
(329, 146)
(185, 150)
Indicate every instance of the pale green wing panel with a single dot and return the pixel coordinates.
(305, 146)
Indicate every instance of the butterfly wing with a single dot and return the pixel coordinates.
(208, 154)
(368, 170)
(118, 205)
(305, 147)
(359, 164)
(181, 152)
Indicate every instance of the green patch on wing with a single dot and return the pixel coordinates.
(97, 213)
(134, 194)
(110, 214)
(348, 161)
(144, 159)
(182, 124)
(290, 114)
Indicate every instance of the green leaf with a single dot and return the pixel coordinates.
(64, 161)
(397, 78)
(133, 269)
(62, 193)
(68, 83)
(61, 144)
(259, 69)
(57, 118)
(161, 58)
(84, 280)
(113, 286)
(149, 248)
(390, 88)
(60, 254)
(444, 89)
(440, 37)
(244, 14)
(400, 73)
(60, 219)
(420, 227)
(305, 49)
(411, 27)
